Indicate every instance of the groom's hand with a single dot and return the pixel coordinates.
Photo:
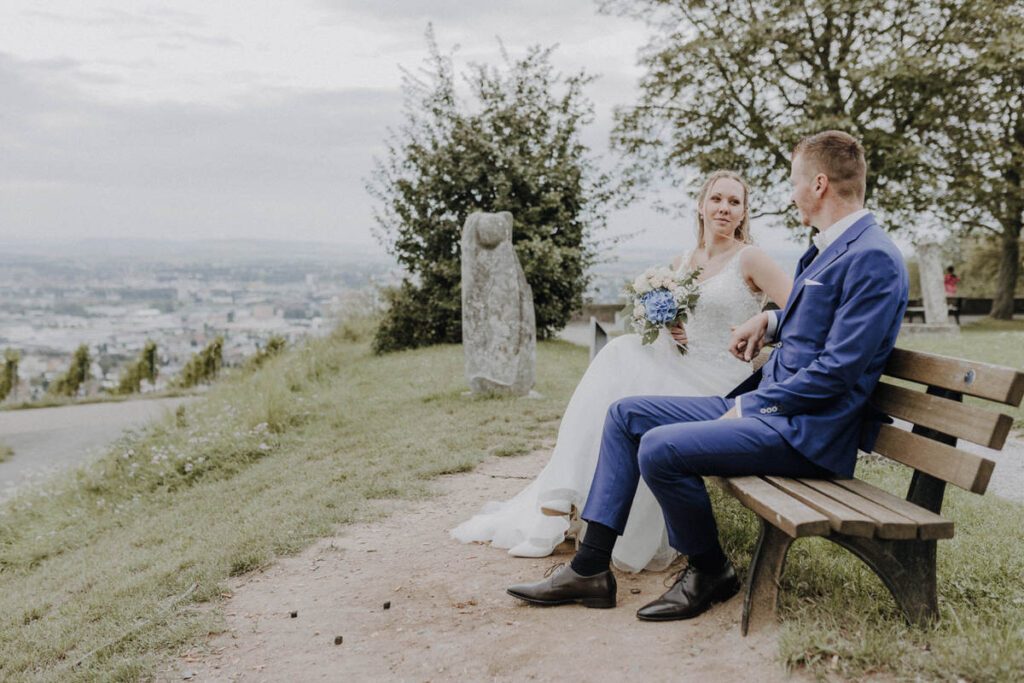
(747, 339)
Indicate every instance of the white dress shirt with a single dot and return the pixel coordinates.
(822, 240)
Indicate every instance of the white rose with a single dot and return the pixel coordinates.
(641, 285)
(638, 311)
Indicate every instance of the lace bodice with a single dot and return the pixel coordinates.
(725, 300)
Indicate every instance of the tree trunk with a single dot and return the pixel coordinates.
(1009, 271)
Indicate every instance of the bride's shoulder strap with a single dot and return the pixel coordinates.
(680, 261)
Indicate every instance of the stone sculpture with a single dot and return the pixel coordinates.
(499, 333)
(933, 292)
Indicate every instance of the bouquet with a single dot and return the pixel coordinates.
(660, 298)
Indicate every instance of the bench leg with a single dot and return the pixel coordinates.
(760, 602)
(907, 568)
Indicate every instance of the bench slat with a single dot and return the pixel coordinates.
(966, 470)
(841, 518)
(930, 525)
(972, 378)
(977, 425)
(888, 524)
(778, 508)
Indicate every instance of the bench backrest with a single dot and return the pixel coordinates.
(940, 417)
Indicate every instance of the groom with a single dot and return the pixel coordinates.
(803, 415)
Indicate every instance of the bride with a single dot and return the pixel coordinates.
(734, 279)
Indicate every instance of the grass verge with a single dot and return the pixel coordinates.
(95, 567)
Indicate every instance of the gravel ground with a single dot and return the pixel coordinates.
(398, 600)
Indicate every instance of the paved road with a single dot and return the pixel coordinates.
(47, 440)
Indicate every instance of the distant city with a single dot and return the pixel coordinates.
(115, 295)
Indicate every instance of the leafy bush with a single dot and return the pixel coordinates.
(517, 150)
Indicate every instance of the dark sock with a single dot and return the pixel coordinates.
(710, 561)
(595, 553)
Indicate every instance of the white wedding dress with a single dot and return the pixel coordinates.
(624, 367)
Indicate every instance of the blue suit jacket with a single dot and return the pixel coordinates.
(834, 339)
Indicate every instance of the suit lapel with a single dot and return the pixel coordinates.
(826, 258)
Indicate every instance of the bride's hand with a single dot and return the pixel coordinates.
(678, 333)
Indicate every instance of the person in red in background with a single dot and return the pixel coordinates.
(951, 281)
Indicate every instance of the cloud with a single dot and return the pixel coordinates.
(281, 162)
(113, 17)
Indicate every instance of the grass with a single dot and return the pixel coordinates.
(113, 564)
(260, 467)
(6, 452)
(994, 341)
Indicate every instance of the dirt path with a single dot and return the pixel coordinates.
(449, 617)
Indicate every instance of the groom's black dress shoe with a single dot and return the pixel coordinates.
(693, 593)
(565, 586)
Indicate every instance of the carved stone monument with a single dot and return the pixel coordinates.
(499, 332)
(933, 293)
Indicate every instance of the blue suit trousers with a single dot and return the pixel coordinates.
(672, 442)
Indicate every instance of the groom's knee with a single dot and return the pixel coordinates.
(655, 456)
(620, 412)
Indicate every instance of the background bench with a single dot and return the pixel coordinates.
(915, 309)
(895, 537)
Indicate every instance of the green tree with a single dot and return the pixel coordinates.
(980, 147)
(130, 381)
(78, 374)
(514, 146)
(9, 378)
(149, 363)
(925, 84)
(142, 368)
(204, 366)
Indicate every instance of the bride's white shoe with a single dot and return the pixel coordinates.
(533, 547)
(530, 549)
(557, 508)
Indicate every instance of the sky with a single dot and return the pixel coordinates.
(255, 118)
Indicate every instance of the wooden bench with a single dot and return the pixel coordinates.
(895, 537)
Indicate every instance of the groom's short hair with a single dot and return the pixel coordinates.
(840, 157)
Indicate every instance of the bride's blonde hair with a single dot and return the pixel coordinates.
(743, 229)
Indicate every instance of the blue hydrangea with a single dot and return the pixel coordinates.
(660, 306)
